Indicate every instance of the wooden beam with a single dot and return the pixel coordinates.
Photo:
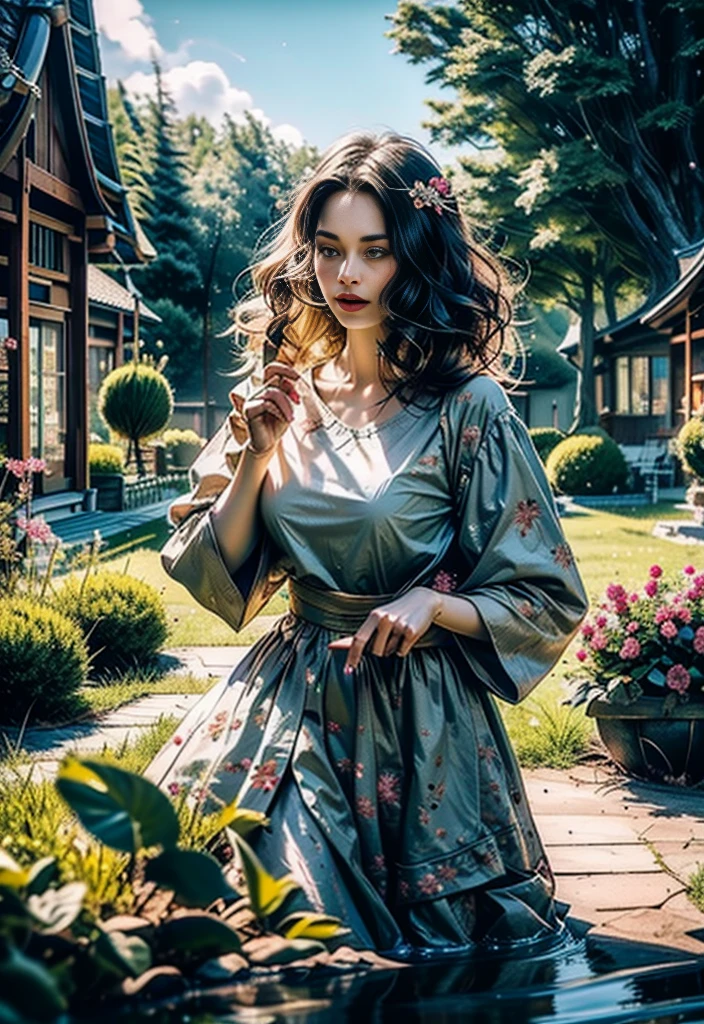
(120, 346)
(18, 309)
(688, 364)
(10, 218)
(77, 422)
(55, 187)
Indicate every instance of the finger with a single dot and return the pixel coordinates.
(341, 644)
(393, 643)
(360, 641)
(264, 405)
(383, 632)
(409, 637)
(276, 369)
(280, 400)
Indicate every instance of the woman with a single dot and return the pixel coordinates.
(381, 469)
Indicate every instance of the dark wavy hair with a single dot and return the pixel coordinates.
(448, 308)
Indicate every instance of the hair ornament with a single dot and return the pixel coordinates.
(435, 193)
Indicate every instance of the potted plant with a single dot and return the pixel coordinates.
(182, 446)
(642, 674)
(106, 464)
(689, 447)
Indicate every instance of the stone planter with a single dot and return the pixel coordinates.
(695, 498)
(111, 491)
(651, 743)
(182, 455)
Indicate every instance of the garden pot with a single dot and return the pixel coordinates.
(111, 491)
(184, 454)
(650, 741)
(695, 498)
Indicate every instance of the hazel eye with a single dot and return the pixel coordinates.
(379, 252)
(325, 250)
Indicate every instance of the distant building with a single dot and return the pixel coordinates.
(62, 205)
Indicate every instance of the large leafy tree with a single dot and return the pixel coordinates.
(593, 114)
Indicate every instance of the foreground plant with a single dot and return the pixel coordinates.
(187, 919)
(646, 643)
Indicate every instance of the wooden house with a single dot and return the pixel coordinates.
(62, 206)
(650, 366)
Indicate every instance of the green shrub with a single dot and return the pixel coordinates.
(44, 661)
(106, 458)
(136, 401)
(690, 447)
(123, 619)
(182, 445)
(545, 439)
(593, 432)
(586, 465)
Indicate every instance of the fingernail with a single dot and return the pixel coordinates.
(296, 397)
(348, 670)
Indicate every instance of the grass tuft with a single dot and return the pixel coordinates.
(695, 888)
(548, 734)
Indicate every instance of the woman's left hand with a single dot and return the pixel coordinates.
(393, 627)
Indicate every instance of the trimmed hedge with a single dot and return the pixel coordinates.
(586, 464)
(545, 439)
(123, 619)
(690, 447)
(44, 661)
(106, 458)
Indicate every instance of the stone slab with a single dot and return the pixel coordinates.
(662, 927)
(681, 858)
(617, 892)
(680, 828)
(681, 904)
(622, 859)
(584, 829)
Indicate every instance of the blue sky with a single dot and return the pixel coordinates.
(311, 69)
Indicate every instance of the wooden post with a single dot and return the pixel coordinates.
(120, 345)
(688, 364)
(20, 443)
(77, 415)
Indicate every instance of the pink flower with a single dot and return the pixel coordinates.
(633, 626)
(663, 614)
(17, 467)
(698, 642)
(581, 655)
(429, 884)
(365, 808)
(527, 511)
(692, 594)
(36, 529)
(678, 678)
(633, 598)
(601, 621)
(441, 184)
(265, 777)
(246, 763)
(615, 592)
(10, 344)
(444, 582)
(683, 614)
(698, 582)
(689, 570)
(334, 727)
(668, 629)
(599, 640)
(178, 740)
(174, 788)
(587, 631)
(651, 588)
(630, 648)
(655, 572)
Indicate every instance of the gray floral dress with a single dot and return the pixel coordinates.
(393, 793)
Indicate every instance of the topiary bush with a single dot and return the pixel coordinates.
(123, 619)
(136, 401)
(182, 445)
(584, 464)
(43, 659)
(106, 458)
(690, 447)
(545, 439)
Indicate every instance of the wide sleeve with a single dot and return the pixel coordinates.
(191, 554)
(513, 561)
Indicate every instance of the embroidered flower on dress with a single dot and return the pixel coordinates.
(447, 873)
(236, 724)
(423, 816)
(526, 609)
(345, 764)
(379, 862)
(428, 460)
(310, 677)
(465, 396)
(470, 435)
(260, 717)
(562, 556)
(444, 582)
(441, 833)
(527, 511)
(404, 890)
(334, 727)
(365, 808)
(265, 777)
(429, 884)
(387, 788)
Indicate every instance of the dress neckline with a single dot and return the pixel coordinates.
(329, 417)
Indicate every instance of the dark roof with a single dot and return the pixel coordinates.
(104, 290)
(28, 31)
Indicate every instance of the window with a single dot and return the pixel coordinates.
(47, 393)
(4, 388)
(46, 247)
(642, 385)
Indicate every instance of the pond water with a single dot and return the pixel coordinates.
(601, 980)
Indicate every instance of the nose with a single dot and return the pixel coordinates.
(349, 272)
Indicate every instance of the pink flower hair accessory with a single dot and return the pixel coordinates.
(434, 193)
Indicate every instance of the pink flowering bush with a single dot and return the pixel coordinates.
(645, 643)
(26, 541)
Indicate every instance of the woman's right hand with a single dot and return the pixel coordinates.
(269, 409)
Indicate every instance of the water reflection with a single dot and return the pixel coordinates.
(601, 980)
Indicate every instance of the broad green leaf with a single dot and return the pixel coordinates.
(241, 820)
(656, 677)
(304, 925)
(198, 933)
(126, 955)
(294, 949)
(196, 878)
(41, 875)
(121, 809)
(56, 909)
(266, 893)
(12, 876)
(29, 988)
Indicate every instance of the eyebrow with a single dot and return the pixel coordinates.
(364, 238)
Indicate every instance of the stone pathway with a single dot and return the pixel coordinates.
(621, 850)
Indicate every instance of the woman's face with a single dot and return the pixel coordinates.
(353, 258)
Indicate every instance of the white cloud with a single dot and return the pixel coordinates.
(127, 24)
(203, 88)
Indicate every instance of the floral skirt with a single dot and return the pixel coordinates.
(393, 794)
